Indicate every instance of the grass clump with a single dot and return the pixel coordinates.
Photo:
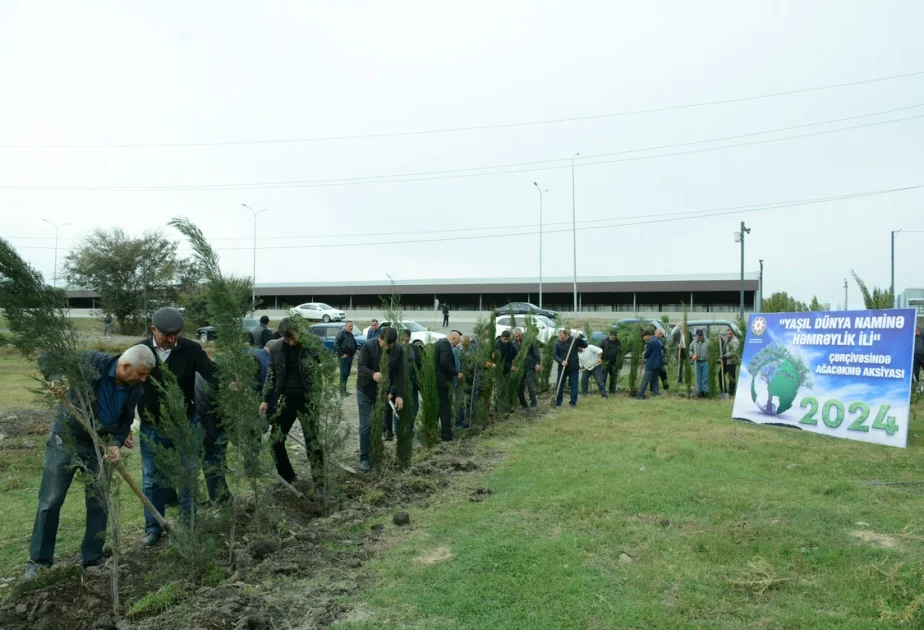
(164, 598)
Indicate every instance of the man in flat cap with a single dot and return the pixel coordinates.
(184, 358)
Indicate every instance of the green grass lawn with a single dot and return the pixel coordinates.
(625, 514)
(16, 377)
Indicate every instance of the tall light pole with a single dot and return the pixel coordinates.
(760, 284)
(739, 236)
(892, 284)
(574, 230)
(56, 226)
(253, 286)
(540, 239)
(845, 294)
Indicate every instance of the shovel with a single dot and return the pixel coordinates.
(561, 370)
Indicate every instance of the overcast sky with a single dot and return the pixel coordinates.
(128, 73)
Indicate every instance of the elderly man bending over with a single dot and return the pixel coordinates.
(116, 384)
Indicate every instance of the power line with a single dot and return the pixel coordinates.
(645, 219)
(637, 112)
(447, 174)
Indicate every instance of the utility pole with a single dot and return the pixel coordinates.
(892, 284)
(56, 226)
(574, 230)
(845, 294)
(253, 283)
(760, 284)
(739, 236)
(540, 238)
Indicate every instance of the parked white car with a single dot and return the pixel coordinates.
(419, 334)
(547, 330)
(318, 311)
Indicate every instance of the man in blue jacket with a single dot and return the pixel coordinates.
(116, 385)
(566, 353)
(654, 361)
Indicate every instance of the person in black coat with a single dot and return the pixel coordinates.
(184, 358)
(505, 351)
(345, 349)
(369, 365)
(613, 358)
(532, 365)
(446, 375)
(292, 381)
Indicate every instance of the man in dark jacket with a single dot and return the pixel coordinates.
(654, 361)
(445, 309)
(566, 354)
(613, 358)
(662, 373)
(184, 358)
(505, 351)
(116, 385)
(446, 375)
(414, 362)
(292, 383)
(345, 349)
(369, 366)
(532, 365)
(261, 335)
(373, 330)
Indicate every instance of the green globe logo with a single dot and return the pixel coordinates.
(776, 376)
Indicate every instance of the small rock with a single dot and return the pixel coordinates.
(307, 537)
(792, 466)
(862, 524)
(665, 522)
(21, 609)
(125, 624)
(401, 518)
(378, 527)
(259, 549)
(354, 563)
(625, 558)
(643, 469)
(104, 622)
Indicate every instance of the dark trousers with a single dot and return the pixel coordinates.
(597, 373)
(445, 414)
(662, 374)
(215, 467)
(445, 320)
(528, 383)
(611, 374)
(346, 366)
(58, 470)
(152, 483)
(366, 404)
(682, 365)
(918, 364)
(296, 407)
(650, 378)
(730, 380)
(571, 375)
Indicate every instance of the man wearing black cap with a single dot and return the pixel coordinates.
(183, 357)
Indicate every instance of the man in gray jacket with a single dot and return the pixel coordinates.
(699, 355)
(729, 351)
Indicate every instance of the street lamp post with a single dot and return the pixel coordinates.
(739, 236)
(760, 284)
(574, 230)
(892, 283)
(541, 191)
(56, 226)
(253, 284)
(845, 294)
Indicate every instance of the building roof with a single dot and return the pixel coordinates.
(589, 284)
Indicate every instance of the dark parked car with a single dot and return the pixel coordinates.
(328, 333)
(597, 337)
(207, 333)
(525, 308)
